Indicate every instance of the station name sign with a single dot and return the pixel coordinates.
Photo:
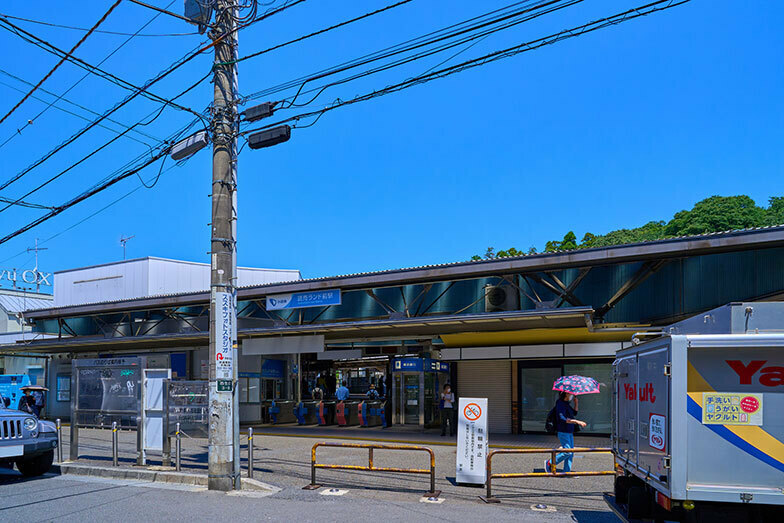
(31, 276)
(301, 300)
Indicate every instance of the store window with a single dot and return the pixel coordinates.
(537, 396)
(249, 390)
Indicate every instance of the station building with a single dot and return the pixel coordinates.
(502, 329)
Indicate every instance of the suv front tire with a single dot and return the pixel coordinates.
(36, 466)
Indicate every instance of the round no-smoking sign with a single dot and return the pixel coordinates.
(472, 412)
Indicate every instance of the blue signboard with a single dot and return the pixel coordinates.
(301, 300)
(272, 369)
(418, 365)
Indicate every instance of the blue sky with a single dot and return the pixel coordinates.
(612, 129)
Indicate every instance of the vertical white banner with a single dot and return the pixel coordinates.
(472, 441)
(226, 333)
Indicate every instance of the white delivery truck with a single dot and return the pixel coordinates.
(698, 426)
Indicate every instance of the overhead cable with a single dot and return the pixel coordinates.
(53, 69)
(488, 58)
(115, 33)
(50, 48)
(131, 36)
(319, 32)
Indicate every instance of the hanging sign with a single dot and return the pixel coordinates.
(225, 343)
(472, 441)
(301, 300)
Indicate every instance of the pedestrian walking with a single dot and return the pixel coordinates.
(565, 423)
(448, 411)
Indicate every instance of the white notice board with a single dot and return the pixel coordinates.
(472, 441)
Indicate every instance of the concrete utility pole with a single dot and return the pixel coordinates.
(224, 469)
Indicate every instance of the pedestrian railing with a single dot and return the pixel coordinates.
(546, 474)
(370, 466)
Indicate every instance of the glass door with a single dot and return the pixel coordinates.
(411, 399)
(537, 396)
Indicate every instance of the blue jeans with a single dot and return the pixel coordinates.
(567, 442)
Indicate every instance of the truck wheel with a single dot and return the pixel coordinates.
(638, 503)
(36, 466)
(622, 484)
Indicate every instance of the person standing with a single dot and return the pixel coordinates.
(565, 422)
(372, 393)
(448, 411)
(342, 393)
(27, 403)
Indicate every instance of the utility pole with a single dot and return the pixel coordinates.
(36, 249)
(223, 457)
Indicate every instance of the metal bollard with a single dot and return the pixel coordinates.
(177, 448)
(114, 444)
(250, 452)
(59, 441)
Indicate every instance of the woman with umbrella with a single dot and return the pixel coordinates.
(565, 415)
(33, 400)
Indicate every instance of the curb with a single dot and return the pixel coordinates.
(156, 476)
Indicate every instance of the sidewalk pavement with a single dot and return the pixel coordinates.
(284, 461)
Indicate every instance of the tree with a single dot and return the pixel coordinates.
(715, 214)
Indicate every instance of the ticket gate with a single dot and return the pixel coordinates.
(307, 412)
(326, 413)
(346, 413)
(282, 411)
(372, 413)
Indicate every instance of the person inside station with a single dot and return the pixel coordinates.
(448, 411)
(342, 393)
(372, 393)
(317, 393)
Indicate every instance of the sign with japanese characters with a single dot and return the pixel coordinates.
(226, 335)
(472, 441)
(731, 408)
(657, 432)
(301, 300)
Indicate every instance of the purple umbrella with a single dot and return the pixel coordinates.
(576, 385)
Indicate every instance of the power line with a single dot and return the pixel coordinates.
(163, 74)
(164, 11)
(156, 113)
(176, 65)
(115, 33)
(530, 14)
(72, 113)
(80, 80)
(50, 48)
(468, 26)
(119, 175)
(320, 31)
(24, 204)
(51, 71)
(488, 58)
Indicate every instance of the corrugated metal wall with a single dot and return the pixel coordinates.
(491, 380)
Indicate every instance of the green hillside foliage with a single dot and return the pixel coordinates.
(714, 214)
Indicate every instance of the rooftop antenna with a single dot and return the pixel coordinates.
(124, 240)
(36, 249)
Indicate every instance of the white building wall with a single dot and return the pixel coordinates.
(148, 277)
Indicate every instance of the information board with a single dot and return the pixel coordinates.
(472, 441)
(731, 408)
(225, 336)
(107, 390)
(188, 405)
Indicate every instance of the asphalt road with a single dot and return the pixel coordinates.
(73, 498)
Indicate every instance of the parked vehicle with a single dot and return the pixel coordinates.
(26, 441)
(698, 423)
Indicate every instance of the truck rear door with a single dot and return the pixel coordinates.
(625, 422)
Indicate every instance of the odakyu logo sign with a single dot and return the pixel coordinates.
(31, 277)
(279, 301)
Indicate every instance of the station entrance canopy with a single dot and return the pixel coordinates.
(599, 294)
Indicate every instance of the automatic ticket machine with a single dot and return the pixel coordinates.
(416, 383)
